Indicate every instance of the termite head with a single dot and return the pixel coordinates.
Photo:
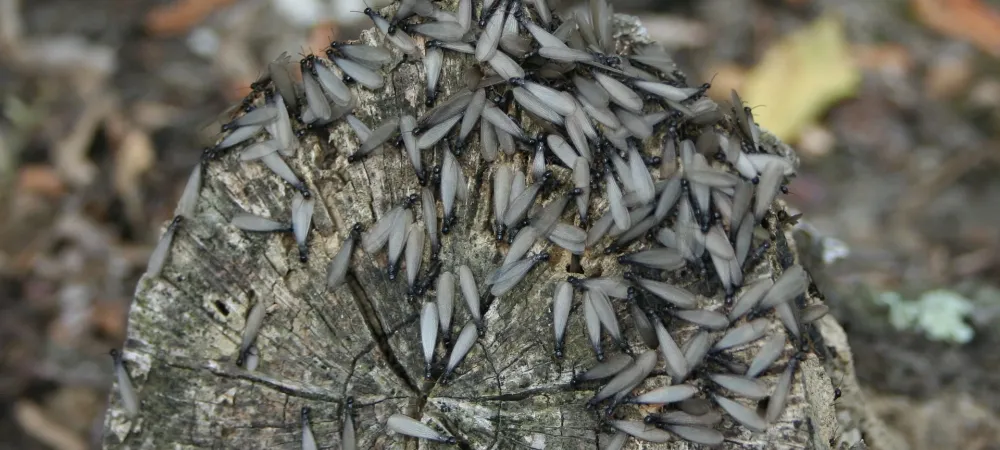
(611, 60)
(308, 63)
(411, 200)
(396, 25)
(576, 282)
(436, 174)
(176, 222)
(356, 230)
(260, 85)
(371, 13)
(446, 225)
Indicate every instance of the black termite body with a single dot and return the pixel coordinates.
(259, 88)
(430, 278)
(756, 254)
(486, 14)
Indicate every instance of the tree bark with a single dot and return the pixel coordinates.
(361, 340)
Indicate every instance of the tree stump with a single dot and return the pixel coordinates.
(361, 341)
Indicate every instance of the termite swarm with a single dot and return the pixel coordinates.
(627, 167)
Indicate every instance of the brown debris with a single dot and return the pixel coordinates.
(179, 17)
(40, 179)
(969, 20)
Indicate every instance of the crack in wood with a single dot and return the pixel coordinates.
(378, 331)
(286, 387)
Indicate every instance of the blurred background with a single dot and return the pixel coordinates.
(893, 105)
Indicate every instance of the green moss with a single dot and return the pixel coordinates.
(939, 314)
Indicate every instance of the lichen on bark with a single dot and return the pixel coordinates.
(320, 347)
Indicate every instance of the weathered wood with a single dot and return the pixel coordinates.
(361, 340)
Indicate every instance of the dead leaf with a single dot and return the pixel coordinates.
(40, 179)
(135, 156)
(968, 20)
(800, 77)
(180, 16)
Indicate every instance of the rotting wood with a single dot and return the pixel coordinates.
(361, 340)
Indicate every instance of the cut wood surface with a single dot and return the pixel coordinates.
(320, 348)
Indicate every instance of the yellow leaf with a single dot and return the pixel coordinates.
(800, 77)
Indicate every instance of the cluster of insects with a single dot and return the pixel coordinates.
(594, 151)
